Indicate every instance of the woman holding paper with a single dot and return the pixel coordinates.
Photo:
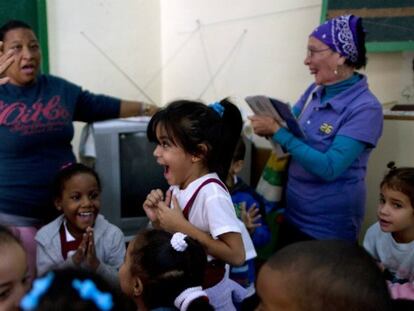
(342, 122)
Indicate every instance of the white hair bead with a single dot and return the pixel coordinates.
(178, 242)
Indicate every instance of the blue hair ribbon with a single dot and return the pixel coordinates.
(217, 107)
(88, 291)
(40, 286)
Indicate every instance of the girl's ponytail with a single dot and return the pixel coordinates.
(391, 165)
(229, 134)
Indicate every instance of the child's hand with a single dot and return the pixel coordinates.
(80, 253)
(151, 202)
(170, 219)
(91, 260)
(251, 217)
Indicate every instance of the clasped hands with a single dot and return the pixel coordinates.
(159, 212)
(85, 254)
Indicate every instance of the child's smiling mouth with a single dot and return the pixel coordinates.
(86, 216)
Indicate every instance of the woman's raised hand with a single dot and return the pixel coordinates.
(6, 59)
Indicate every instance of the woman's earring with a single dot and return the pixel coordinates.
(335, 72)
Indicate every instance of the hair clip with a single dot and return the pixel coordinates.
(66, 165)
(40, 286)
(178, 242)
(391, 165)
(87, 290)
(184, 299)
(217, 107)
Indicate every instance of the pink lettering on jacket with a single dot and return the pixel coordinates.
(39, 117)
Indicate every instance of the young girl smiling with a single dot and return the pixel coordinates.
(80, 236)
(391, 240)
(195, 145)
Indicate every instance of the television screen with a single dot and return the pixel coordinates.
(128, 170)
(139, 171)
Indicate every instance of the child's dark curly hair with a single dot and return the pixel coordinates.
(400, 179)
(166, 272)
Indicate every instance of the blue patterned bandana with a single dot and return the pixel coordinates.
(339, 33)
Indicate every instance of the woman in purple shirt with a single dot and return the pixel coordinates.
(342, 122)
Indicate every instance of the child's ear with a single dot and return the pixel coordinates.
(58, 203)
(138, 287)
(201, 152)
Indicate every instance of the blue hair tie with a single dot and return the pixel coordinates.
(40, 286)
(87, 290)
(217, 107)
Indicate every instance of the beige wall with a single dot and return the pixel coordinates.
(212, 49)
(244, 47)
(126, 31)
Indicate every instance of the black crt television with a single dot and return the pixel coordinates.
(128, 171)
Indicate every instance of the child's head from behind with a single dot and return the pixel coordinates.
(159, 266)
(206, 135)
(322, 275)
(14, 278)
(73, 289)
(76, 193)
(396, 208)
(238, 158)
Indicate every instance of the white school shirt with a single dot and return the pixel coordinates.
(249, 249)
(398, 258)
(212, 210)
